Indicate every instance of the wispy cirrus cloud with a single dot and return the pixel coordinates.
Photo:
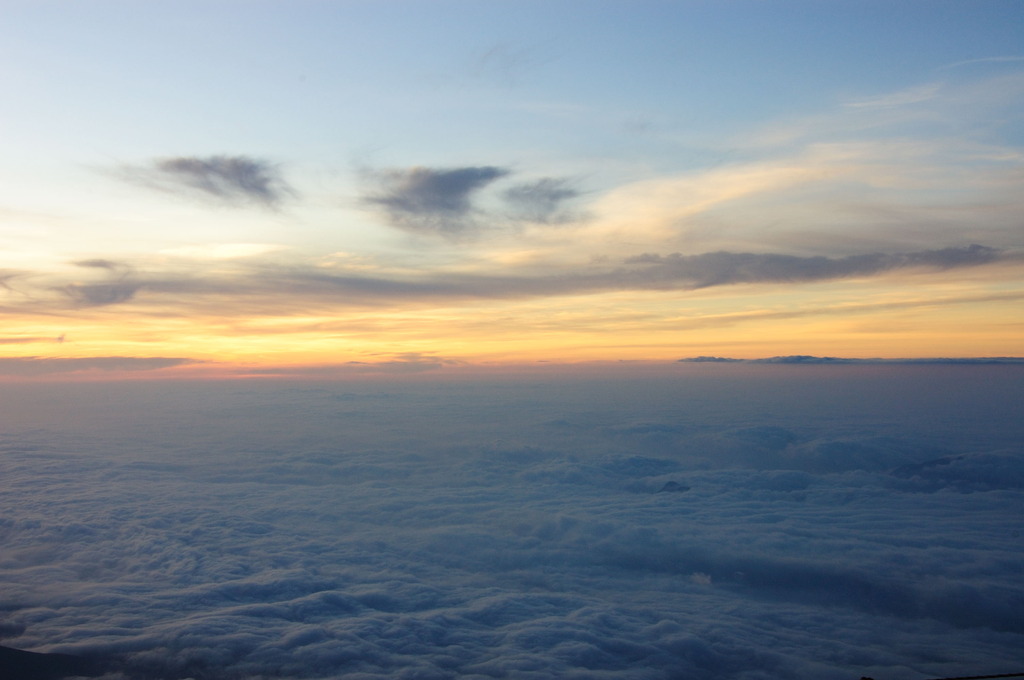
(29, 339)
(226, 180)
(1007, 59)
(828, 198)
(946, 115)
(541, 200)
(913, 95)
(507, 64)
(404, 363)
(728, 319)
(222, 251)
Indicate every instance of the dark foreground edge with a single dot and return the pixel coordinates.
(16, 664)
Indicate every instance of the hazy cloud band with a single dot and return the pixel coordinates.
(643, 272)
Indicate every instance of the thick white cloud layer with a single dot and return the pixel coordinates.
(840, 521)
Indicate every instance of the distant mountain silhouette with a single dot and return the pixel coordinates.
(808, 359)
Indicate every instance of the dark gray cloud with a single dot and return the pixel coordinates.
(260, 286)
(101, 294)
(650, 272)
(674, 271)
(431, 200)
(723, 268)
(230, 180)
(542, 200)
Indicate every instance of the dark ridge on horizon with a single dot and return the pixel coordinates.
(17, 664)
(809, 359)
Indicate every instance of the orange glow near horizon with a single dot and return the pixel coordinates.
(850, 319)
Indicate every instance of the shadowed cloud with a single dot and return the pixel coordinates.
(101, 294)
(431, 200)
(721, 268)
(121, 289)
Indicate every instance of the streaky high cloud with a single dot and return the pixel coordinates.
(647, 272)
(404, 363)
(32, 366)
(986, 60)
(229, 180)
(825, 197)
(28, 339)
(222, 251)
(907, 97)
(278, 286)
(724, 320)
(431, 200)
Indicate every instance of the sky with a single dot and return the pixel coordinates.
(255, 188)
(737, 522)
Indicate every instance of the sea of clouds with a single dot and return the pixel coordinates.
(710, 521)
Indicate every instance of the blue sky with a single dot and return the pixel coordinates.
(268, 77)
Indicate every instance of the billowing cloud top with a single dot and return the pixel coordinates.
(522, 530)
